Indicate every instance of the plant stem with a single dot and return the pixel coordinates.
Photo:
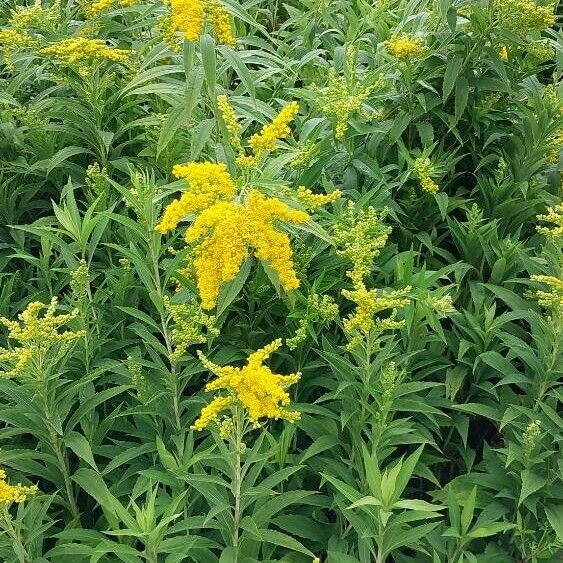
(237, 481)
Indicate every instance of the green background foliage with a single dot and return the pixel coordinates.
(436, 442)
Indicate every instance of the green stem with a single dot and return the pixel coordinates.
(14, 534)
(238, 432)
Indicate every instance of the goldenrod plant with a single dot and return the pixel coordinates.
(281, 281)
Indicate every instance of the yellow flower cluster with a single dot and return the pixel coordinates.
(14, 493)
(35, 334)
(231, 122)
(552, 299)
(341, 100)
(208, 183)
(277, 129)
(188, 16)
(523, 16)
(424, 170)
(369, 303)
(555, 145)
(359, 237)
(189, 323)
(226, 231)
(12, 39)
(315, 201)
(262, 393)
(26, 17)
(555, 216)
(405, 47)
(81, 52)
(94, 8)
(220, 21)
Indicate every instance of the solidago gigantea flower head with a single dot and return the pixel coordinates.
(552, 299)
(262, 393)
(11, 40)
(424, 170)
(188, 17)
(80, 51)
(369, 303)
(35, 335)
(277, 129)
(359, 236)
(231, 122)
(189, 325)
(208, 183)
(313, 201)
(524, 16)
(555, 216)
(94, 8)
(220, 21)
(404, 47)
(14, 493)
(227, 233)
(341, 99)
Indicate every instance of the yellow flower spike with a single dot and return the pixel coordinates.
(231, 121)
(524, 16)
(14, 493)
(314, 201)
(279, 129)
(220, 22)
(227, 232)
(552, 299)
(262, 393)
(79, 51)
(404, 47)
(424, 170)
(370, 303)
(35, 334)
(94, 8)
(208, 183)
(503, 53)
(555, 216)
(187, 17)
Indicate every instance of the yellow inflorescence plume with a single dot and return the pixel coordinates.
(262, 393)
(226, 233)
(208, 183)
(14, 493)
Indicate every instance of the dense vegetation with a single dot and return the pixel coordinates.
(280, 281)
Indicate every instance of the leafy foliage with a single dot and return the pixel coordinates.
(389, 207)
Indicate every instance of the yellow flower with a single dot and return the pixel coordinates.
(314, 201)
(226, 233)
(262, 393)
(12, 39)
(94, 8)
(278, 129)
(81, 51)
(359, 236)
(523, 16)
(35, 335)
(503, 53)
(341, 99)
(370, 303)
(552, 298)
(14, 493)
(208, 183)
(555, 216)
(424, 170)
(404, 47)
(231, 121)
(220, 22)
(187, 17)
